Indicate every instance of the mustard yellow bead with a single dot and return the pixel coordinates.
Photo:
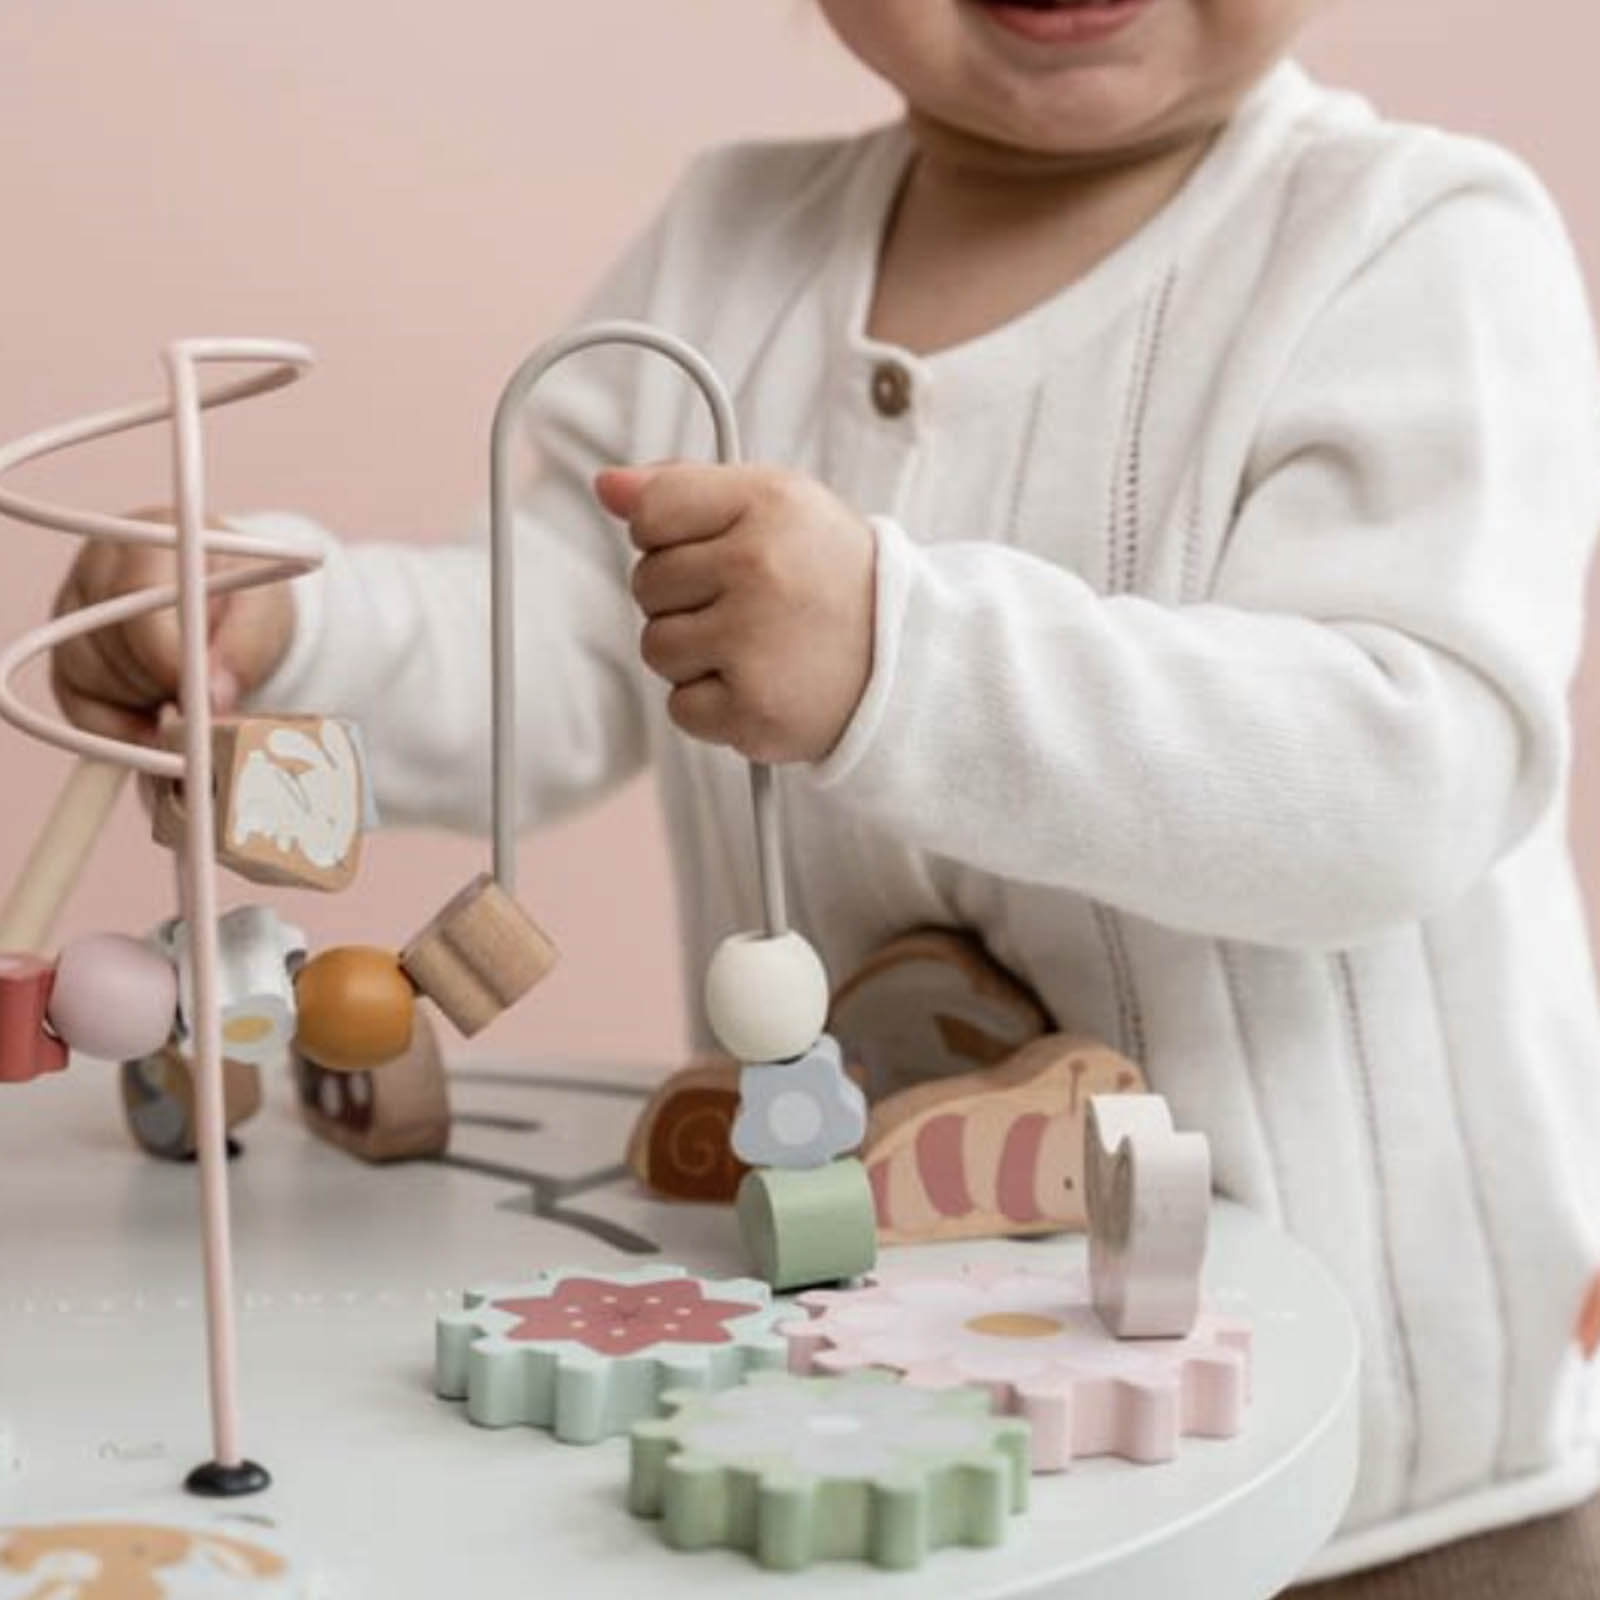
(356, 1008)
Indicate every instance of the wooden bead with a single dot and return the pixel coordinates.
(800, 1113)
(481, 954)
(158, 1101)
(27, 1048)
(291, 800)
(398, 1111)
(766, 997)
(803, 1228)
(115, 998)
(255, 994)
(355, 1006)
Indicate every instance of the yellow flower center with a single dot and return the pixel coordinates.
(1014, 1325)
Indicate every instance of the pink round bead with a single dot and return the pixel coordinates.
(114, 997)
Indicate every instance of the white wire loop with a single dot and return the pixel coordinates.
(764, 793)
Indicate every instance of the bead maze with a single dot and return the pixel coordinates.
(766, 991)
(915, 1406)
(90, 797)
(193, 1010)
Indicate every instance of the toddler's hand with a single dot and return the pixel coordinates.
(758, 586)
(116, 680)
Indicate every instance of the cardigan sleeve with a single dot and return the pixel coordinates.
(396, 636)
(1369, 708)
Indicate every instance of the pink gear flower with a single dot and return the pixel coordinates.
(1034, 1341)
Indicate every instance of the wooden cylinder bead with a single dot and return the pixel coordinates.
(481, 954)
(356, 1008)
(802, 1228)
(27, 1048)
(766, 997)
(114, 997)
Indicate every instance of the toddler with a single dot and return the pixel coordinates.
(1173, 574)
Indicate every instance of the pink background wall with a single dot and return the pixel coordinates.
(421, 200)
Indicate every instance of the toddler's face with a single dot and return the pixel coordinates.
(1070, 77)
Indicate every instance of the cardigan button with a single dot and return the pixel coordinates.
(891, 389)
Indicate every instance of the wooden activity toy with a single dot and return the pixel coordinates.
(588, 1354)
(395, 1110)
(195, 1009)
(986, 1143)
(1030, 1338)
(1149, 1194)
(797, 1470)
(290, 801)
(996, 1152)
(90, 1006)
(766, 991)
(681, 1146)
(1055, 1346)
(931, 1004)
(158, 1101)
(915, 1405)
(479, 956)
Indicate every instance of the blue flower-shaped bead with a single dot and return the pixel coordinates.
(799, 1113)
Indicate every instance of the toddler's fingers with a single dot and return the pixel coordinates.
(680, 579)
(703, 710)
(249, 638)
(97, 666)
(100, 716)
(681, 647)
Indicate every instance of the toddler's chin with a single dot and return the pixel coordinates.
(1102, 119)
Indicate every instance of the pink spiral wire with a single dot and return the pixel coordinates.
(276, 561)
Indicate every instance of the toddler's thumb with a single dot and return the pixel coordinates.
(618, 489)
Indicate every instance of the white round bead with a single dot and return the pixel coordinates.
(766, 998)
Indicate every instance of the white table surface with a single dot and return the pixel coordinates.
(341, 1269)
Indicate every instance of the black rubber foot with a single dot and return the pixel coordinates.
(217, 1482)
(235, 1150)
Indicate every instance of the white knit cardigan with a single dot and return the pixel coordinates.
(1226, 609)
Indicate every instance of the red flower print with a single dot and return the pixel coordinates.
(620, 1319)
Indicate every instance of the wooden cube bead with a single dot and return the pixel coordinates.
(395, 1112)
(291, 800)
(158, 1101)
(355, 1007)
(481, 954)
(27, 1047)
(114, 997)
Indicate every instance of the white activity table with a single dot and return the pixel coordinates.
(342, 1268)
